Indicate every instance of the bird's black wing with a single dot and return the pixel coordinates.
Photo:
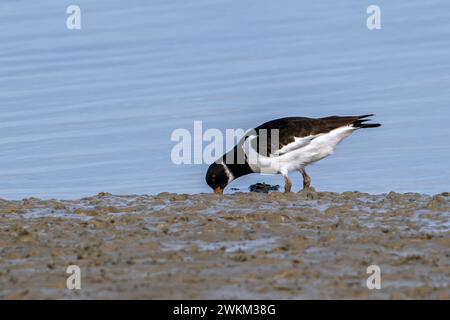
(297, 132)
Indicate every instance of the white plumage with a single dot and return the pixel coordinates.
(295, 155)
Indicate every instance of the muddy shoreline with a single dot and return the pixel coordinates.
(309, 245)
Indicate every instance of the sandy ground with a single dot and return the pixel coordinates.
(247, 245)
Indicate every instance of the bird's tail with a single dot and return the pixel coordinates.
(360, 122)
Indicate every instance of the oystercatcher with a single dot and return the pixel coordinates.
(282, 146)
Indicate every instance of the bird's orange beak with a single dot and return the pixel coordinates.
(218, 190)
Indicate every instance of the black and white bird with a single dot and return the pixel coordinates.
(282, 146)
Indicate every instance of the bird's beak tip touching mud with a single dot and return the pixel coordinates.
(218, 190)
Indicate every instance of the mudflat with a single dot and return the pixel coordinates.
(315, 245)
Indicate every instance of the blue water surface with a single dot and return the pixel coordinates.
(91, 110)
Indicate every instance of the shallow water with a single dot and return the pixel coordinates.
(92, 110)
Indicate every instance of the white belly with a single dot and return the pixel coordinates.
(318, 148)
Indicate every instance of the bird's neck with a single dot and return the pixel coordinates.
(236, 163)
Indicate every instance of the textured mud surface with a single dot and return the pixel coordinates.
(245, 245)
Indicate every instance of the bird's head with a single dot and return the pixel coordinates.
(217, 177)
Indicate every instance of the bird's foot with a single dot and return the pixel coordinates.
(309, 192)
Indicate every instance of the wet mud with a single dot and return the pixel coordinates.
(307, 245)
